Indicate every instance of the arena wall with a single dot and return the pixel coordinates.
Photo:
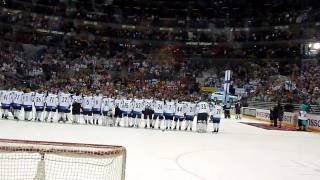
(288, 118)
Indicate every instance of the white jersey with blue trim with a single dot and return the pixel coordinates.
(12, 93)
(138, 105)
(169, 107)
(77, 99)
(52, 100)
(97, 102)
(39, 100)
(126, 105)
(65, 100)
(1, 92)
(203, 107)
(111, 103)
(87, 103)
(28, 99)
(190, 109)
(6, 98)
(118, 102)
(17, 97)
(158, 107)
(180, 109)
(104, 104)
(148, 103)
(217, 111)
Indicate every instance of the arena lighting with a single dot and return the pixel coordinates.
(316, 46)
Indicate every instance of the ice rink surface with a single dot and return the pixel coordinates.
(238, 152)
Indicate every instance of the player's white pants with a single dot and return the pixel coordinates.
(137, 120)
(105, 119)
(147, 122)
(179, 123)
(168, 122)
(96, 118)
(131, 121)
(202, 127)
(161, 124)
(62, 116)
(188, 125)
(125, 120)
(5, 112)
(216, 126)
(76, 118)
(173, 124)
(16, 114)
(202, 124)
(117, 121)
(87, 119)
(112, 119)
(176, 123)
(153, 122)
(28, 115)
(49, 115)
(38, 115)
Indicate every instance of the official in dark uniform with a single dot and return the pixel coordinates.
(227, 108)
(76, 110)
(280, 114)
(238, 110)
(275, 116)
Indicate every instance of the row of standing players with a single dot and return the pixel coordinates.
(128, 112)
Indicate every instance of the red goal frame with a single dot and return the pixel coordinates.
(31, 146)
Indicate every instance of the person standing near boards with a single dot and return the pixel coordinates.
(238, 110)
(275, 115)
(280, 114)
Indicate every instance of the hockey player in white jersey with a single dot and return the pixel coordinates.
(17, 103)
(52, 102)
(190, 113)
(1, 92)
(216, 111)
(138, 106)
(96, 110)
(178, 115)
(169, 109)
(203, 110)
(111, 112)
(87, 105)
(126, 108)
(107, 111)
(158, 108)
(6, 101)
(39, 100)
(65, 101)
(27, 98)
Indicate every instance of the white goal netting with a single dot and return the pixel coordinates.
(35, 160)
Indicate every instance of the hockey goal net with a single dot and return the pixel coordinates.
(40, 160)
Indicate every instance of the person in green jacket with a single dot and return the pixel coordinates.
(303, 119)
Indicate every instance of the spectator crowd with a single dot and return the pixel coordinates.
(141, 48)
